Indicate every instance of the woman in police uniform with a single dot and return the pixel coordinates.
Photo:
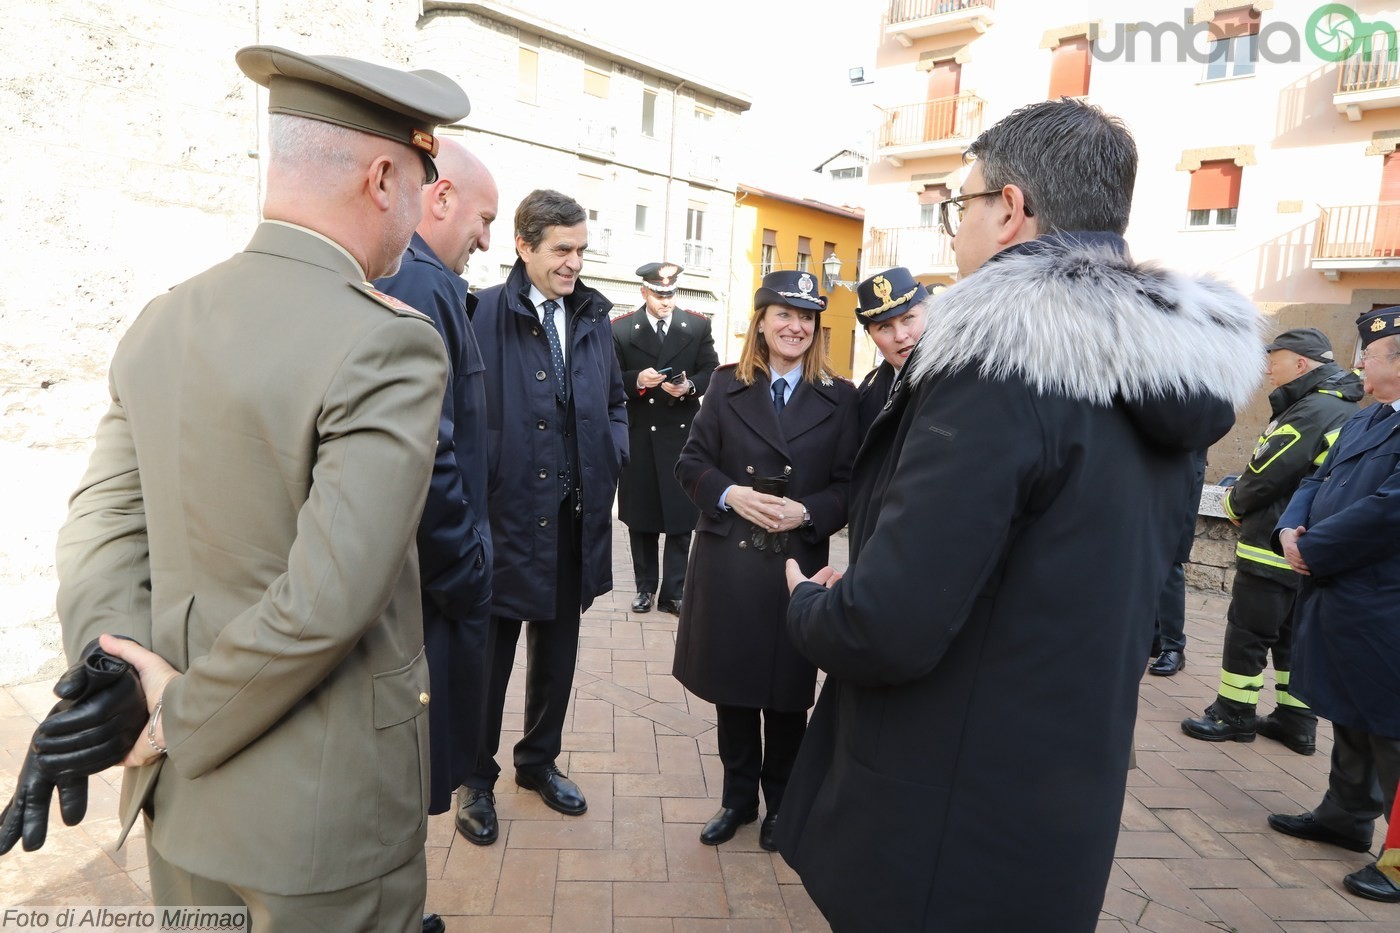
(768, 464)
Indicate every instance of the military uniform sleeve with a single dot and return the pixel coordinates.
(103, 556)
(968, 464)
(374, 458)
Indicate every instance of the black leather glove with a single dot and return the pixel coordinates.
(100, 716)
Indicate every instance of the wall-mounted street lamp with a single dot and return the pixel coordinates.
(831, 274)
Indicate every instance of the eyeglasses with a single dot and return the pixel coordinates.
(950, 211)
(1383, 356)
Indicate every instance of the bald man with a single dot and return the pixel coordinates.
(454, 538)
(249, 511)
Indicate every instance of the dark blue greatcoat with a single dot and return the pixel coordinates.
(1346, 642)
(520, 416)
(454, 537)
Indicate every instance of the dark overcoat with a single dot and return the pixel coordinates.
(648, 497)
(521, 416)
(730, 644)
(874, 392)
(1014, 516)
(454, 536)
(1346, 642)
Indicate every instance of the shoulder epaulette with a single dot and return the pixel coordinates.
(389, 301)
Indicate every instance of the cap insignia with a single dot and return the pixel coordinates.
(425, 141)
(1377, 325)
(882, 288)
(804, 285)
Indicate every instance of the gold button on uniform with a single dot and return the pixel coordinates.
(423, 698)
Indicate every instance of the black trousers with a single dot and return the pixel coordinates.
(1361, 783)
(1171, 611)
(757, 755)
(673, 567)
(551, 652)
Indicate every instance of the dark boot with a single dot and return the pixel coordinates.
(1224, 721)
(1294, 727)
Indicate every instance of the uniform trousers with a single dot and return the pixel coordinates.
(1171, 612)
(551, 652)
(391, 903)
(1258, 622)
(757, 748)
(1361, 783)
(673, 565)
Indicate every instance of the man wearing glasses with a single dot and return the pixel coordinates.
(1034, 465)
(1338, 532)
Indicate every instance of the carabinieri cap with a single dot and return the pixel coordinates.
(405, 106)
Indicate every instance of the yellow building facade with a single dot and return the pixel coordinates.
(774, 231)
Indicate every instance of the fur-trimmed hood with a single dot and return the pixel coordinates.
(1072, 314)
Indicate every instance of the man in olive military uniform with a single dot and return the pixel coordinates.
(249, 513)
(666, 355)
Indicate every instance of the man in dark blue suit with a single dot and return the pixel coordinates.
(1339, 532)
(454, 538)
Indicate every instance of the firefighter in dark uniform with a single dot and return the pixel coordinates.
(1312, 398)
(666, 355)
(891, 308)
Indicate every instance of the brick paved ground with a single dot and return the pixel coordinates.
(1195, 853)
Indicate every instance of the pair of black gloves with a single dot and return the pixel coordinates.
(100, 715)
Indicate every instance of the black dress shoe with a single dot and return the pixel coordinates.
(766, 831)
(724, 824)
(1222, 723)
(1168, 663)
(1304, 826)
(476, 816)
(432, 923)
(673, 606)
(557, 791)
(1299, 733)
(642, 603)
(1371, 882)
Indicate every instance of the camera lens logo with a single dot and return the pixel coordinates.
(1332, 31)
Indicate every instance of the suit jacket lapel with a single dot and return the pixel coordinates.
(1370, 437)
(808, 407)
(676, 340)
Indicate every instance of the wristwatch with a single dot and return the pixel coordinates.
(806, 518)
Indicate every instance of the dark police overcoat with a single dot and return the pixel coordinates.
(1346, 642)
(648, 497)
(730, 645)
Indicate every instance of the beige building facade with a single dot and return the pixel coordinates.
(1265, 158)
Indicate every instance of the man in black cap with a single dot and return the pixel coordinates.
(1312, 398)
(891, 308)
(1338, 532)
(666, 356)
(249, 513)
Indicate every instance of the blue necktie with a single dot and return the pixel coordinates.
(779, 396)
(556, 350)
(1382, 411)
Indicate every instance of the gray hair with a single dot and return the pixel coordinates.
(300, 143)
(1075, 164)
(544, 208)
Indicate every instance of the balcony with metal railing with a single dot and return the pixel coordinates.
(908, 20)
(921, 250)
(1369, 81)
(597, 137)
(945, 126)
(698, 256)
(1357, 238)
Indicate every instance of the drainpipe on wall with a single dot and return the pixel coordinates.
(670, 176)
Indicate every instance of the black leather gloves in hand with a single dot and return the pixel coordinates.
(99, 717)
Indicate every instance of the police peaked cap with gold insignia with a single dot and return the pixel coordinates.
(887, 294)
(792, 288)
(1382, 322)
(405, 106)
(660, 277)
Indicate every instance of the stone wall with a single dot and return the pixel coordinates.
(128, 133)
(1212, 565)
